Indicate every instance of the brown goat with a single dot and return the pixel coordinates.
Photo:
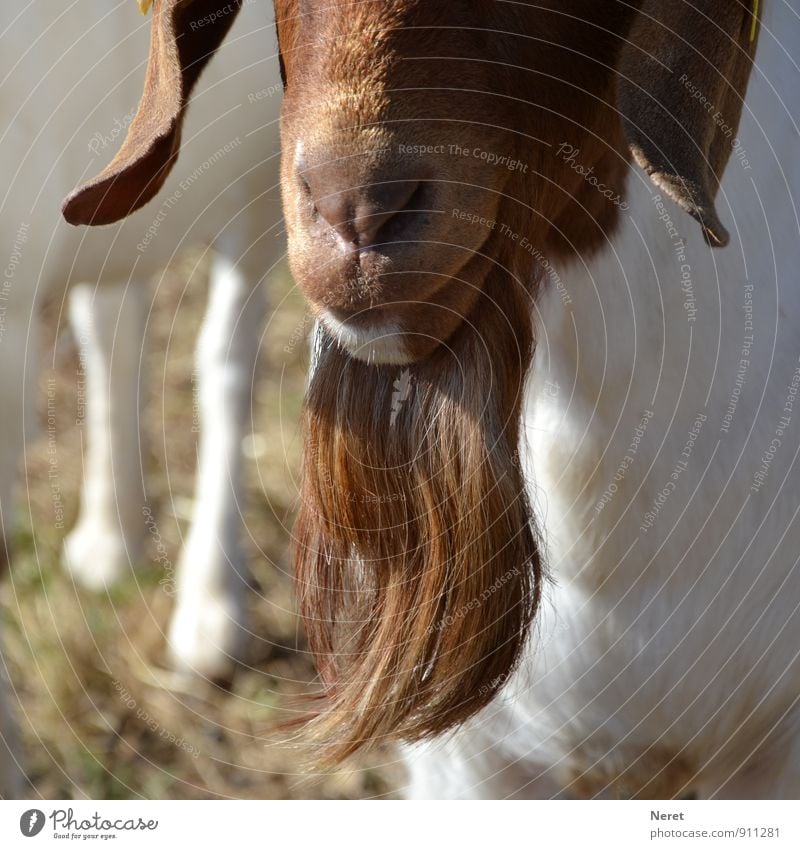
(421, 140)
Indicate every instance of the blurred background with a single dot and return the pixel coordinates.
(100, 714)
(99, 711)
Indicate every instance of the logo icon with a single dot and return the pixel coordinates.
(31, 822)
(402, 391)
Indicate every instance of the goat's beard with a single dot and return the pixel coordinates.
(417, 567)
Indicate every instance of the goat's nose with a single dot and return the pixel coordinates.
(357, 214)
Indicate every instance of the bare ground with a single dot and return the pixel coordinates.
(100, 713)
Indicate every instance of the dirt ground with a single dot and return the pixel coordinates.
(100, 713)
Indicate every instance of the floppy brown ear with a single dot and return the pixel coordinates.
(683, 74)
(184, 36)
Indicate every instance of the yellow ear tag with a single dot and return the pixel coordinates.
(144, 6)
(752, 26)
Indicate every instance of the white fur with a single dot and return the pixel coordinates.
(685, 635)
(70, 78)
(208, 631)
(106, 541)
(380, 344)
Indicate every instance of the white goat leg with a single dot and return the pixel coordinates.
(106, 541)
(80, 114)
(207, 633)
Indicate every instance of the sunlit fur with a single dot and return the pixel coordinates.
(666, 658)
(381, 344)
(417, 565)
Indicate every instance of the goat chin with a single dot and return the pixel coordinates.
(417, 565)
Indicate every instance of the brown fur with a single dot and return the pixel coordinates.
(715, 38)
(179, 50)
(417, 566)
(356, 102)
(410, 636)
(425, 623)
(379, 581)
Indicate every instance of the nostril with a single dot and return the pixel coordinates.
(391, 228)
(363, 214)
(383, 208)
(339, 215)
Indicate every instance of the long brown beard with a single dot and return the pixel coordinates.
(417, 567)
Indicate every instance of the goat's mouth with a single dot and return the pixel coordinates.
(401, 323)
(392, 261)
(387, 310)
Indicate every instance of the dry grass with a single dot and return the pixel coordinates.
(100, 714)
